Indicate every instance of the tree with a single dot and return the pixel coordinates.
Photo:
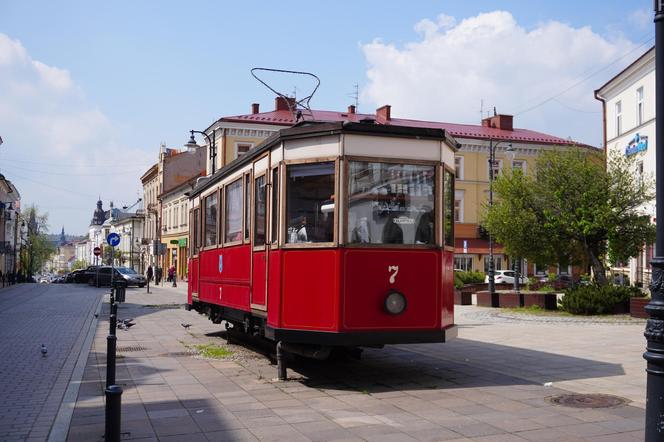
(79, 264)
(38, 248)
(574, 205)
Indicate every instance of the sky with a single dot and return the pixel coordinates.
(90, 90)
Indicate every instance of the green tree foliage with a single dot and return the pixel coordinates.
(574, 205)
(78, 264)
(38, 248)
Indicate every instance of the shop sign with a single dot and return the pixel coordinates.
(637, 144)
(182, 242)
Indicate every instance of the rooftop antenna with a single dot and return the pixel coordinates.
(292, 102)
(356, 95)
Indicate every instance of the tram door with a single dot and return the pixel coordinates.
(259, 253)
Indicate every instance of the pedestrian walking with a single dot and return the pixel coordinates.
(148, 276)
(173, 275)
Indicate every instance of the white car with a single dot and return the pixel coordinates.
(43, 280)
(506, 277)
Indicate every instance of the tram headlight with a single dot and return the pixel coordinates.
(395, 303)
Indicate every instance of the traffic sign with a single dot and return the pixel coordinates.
(97, 251)
(113, 239)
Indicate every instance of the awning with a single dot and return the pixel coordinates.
(475, 246)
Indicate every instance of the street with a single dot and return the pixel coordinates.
(31, 385)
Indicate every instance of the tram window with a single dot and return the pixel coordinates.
(310, 203)
(247, 206)
(275, 204)
(448, 203)
(391, 203)
(210, 227)
(233, 215)
(259, 211)
(196, 228)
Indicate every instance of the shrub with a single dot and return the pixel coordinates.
(458, 283)
(471, 277)
(596, 300)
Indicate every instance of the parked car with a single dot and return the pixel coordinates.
(103, 276)
(89, 275)
(43, 280)
(506, 277)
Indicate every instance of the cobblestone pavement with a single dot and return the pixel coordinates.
(471, 389)
(31, 385)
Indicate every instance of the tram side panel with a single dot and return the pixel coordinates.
(224, 277)
(192, 283)
(274, 288)
(310, 295)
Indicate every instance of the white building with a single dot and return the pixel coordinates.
(628, 103)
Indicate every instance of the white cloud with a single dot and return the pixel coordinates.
(641, 19)
(444, 75)
(54, 137)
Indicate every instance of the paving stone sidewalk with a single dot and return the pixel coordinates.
(399, 393)
(31, 385)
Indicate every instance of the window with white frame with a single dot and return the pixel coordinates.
(458, 167)
(458, 206)
(519, 165)
(497, 263)
(618, 118)
(463, 262)
(242, 149)
(497, 167)
(639, 106)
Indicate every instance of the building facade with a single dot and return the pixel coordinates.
(175, 231)
(10, 219)
(628, 109)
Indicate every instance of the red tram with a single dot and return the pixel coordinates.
(330, 234)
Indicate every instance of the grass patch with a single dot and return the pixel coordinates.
(212, 351)
(537, 311)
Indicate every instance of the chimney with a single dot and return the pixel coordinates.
(383, 112)
(254, 108)
(281, 103)
(351, 109)
(499, 121)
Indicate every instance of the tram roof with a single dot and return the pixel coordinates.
(307, 129)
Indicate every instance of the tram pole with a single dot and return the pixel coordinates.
(654, 332)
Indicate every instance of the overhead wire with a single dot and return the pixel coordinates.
(586, 78)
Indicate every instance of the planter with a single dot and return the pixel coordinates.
(484, 299)
(637, 307)
(546, 301)
(509, 300)
(462, 297)
(621, 309)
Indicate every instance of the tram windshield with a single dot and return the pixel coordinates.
(310, 203)
(391, 203)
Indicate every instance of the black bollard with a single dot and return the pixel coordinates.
(281, 363)
(111, 342)
(113, 413)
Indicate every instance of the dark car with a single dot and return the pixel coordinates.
(77, 276)
(88, 275)
(102, 277)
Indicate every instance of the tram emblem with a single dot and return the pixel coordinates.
(393, 276)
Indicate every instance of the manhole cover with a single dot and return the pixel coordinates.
(131, 348)
(588, 400)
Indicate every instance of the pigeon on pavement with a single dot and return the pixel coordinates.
(43, 350)
(186, 325)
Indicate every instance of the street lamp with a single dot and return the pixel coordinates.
(654, 333)
(191, 144)
(492, 269)
(516, 260)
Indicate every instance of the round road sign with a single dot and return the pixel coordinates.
(113, 239)
(97, 251)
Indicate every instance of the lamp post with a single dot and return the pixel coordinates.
(654, 332)
(492, 270)
(191, 144)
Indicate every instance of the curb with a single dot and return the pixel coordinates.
(60, 428)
